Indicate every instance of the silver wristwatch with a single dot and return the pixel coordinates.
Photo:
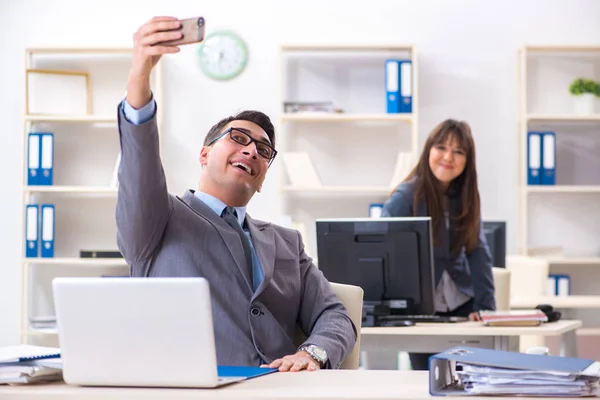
(317, 353)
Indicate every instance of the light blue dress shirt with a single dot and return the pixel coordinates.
(146, 113)
(218, 206)
(138, 117)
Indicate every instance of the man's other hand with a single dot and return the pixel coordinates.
(294, 363)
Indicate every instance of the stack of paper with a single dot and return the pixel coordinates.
(501, 381)
(513, 317)
(27, 364)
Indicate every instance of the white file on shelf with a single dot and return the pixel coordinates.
(300, 170)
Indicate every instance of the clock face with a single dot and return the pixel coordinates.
(223, 55)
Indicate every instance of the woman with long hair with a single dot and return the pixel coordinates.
(443, 186)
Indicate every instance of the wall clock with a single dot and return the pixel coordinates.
(223, 55)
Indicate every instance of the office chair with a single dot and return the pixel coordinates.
(352, 298)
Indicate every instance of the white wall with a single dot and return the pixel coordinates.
(467, 53)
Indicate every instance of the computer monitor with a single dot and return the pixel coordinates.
(391, 259)
(495, 235)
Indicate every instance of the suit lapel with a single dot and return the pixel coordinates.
(264, 243)
(229, 236)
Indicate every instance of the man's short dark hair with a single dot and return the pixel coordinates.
(259, 118)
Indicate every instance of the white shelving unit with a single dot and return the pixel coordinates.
(86, 146)
(564, 215)
(353, 151)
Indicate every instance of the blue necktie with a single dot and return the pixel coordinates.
(230, 216)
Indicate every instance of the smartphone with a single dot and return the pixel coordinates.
(192, 29)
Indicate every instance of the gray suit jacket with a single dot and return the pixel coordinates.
(471, 272)
(168, 236)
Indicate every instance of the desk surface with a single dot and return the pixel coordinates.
(338, 384)
(475, 329)
(556, 301)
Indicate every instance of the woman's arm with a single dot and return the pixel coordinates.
(480, 264)
(400, 204)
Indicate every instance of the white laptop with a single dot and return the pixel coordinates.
(139, 332)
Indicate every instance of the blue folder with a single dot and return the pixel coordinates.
(534, 158)
(398, 86)
(548, 173)
(246, 372)
(443, 366)
(33, 159)
(32, 234)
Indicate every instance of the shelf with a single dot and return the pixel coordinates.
(86, 262)
(72, 118)
(562, 49)
(101, 190)
(366, 190)
(563, 189)
(572, 302)
(80, 50)
(577, 261)
(345, 47)
(563, 118)
(331, 117)
(41, 331)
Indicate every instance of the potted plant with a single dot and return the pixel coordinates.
(584, 92)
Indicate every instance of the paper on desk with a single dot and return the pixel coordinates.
(28, 374)
(26, 352)
(529, 390)
(511, 373)
(490, 380)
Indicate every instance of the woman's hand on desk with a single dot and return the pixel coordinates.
(294, 363)
(474, 316)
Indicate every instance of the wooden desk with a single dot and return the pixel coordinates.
(326, 385)
(384, 342)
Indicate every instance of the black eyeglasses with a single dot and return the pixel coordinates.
(263, 149)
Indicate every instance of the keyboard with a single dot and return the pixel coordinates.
(422, 318)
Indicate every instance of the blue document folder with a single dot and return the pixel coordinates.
(534, 158)
(398, 86)
(32, 239)
(504, 372)
(33, 159)
(245, 372)
(46, 159)
(47, 231)
(548, 174)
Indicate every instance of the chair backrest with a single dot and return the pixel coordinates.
(502, 288)
(528, 278)
(528, 275)
(352, 298)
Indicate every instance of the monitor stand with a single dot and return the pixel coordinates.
(374, 313)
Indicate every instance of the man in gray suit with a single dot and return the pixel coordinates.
(263, 285)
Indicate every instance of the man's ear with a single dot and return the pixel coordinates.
(259, 189)
(204, 155)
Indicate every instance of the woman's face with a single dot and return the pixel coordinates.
(447, 160)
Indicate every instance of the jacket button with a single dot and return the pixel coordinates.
(255, 312)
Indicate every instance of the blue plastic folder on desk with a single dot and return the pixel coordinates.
(472, 371)
(240, 371)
